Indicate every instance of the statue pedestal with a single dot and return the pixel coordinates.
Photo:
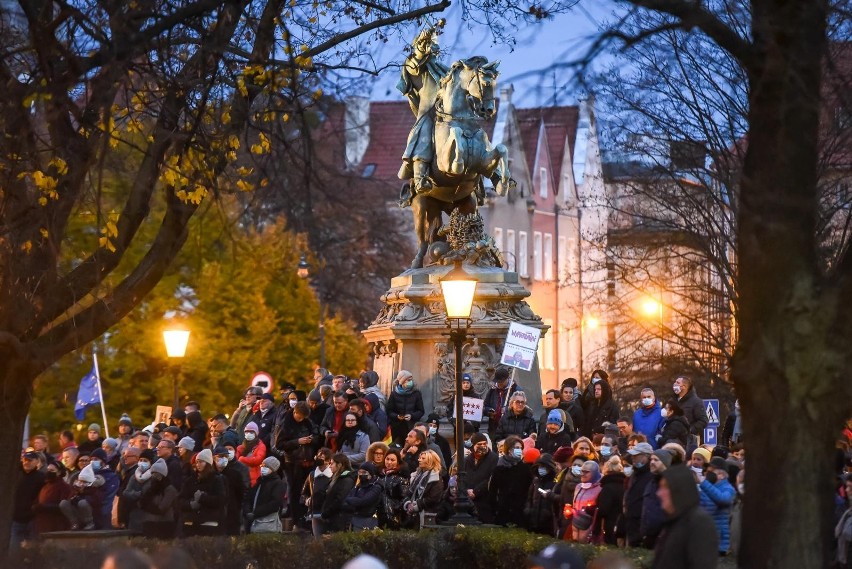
(410, 333)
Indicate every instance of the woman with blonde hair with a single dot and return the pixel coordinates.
(426, 489)
(586, 447)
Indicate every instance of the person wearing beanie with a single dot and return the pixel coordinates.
(540, 509)
(510, 483)
(433, 423)
(364, 499)
(404, 406)
(467, 391)
(252, 451)
(110, 447)
(555, 434)
(109, 483)
(203, 499)
(155, 514)
(186, 445)
(93, 440)
(688, 539)
(84, 510)
(237, 483)
(715, 488)
(125, 432)
(551, 403)
(585, 502)
(517, 420)
(317, 406)
(497, 399)
(653, 516)
(478, 467)
(265, 499)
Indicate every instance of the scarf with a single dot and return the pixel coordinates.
(508, 460)
(403, 390)
(326, 472)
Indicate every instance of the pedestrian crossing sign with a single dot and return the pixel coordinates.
(711, 407)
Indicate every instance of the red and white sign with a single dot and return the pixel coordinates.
(262, 380)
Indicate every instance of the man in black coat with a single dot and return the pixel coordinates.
(693, 407)
(689, 539)
(478, 466)
(237, 484)
(26, 496)
(634, 495)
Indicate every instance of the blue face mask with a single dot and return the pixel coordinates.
(433, 430)
(606, 451)
(542, 471)
(517, 452)
(468, 443)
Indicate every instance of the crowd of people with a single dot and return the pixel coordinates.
(347, 456)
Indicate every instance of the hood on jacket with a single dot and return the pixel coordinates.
(370, 378)
(547, 461)
(606, 391)
(195, 420)
(683, 490)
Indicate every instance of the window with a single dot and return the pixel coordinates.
(548, 257)
(523, 254)
(498, 238)
(561, 259)
(510, 250)
(537, 256)
(542, 182)
(547, 343)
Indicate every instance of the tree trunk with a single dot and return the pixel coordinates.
(785, 368)
(17, 376)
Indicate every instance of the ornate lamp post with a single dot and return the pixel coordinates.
(458, 289)
(176, 341)
(303, 270)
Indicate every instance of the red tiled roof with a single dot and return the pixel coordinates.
(390, 123)
(559, 123)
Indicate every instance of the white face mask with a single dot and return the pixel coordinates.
(741, 488)
(676, 389)
(595, 379)
(648, 401)
(222, 462)
(628, 470)
(292, 403)
(264, 471)
(96, 465)
(664, 413)
(230, 454)
(250, 436)
(576, 470)
(433, 430)
(143, 466)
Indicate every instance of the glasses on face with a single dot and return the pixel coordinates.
(351, 420)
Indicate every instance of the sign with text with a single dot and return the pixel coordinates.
(710, 434)
(521, 345)
(471, 409)
(162, 414)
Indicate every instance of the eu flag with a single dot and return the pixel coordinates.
(88, 394)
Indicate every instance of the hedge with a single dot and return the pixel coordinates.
(474, 548)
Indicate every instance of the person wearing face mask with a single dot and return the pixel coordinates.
(296, 443)
(315, 488)
(404, 407)
(84, 509)
(653, 516)
(675, 427)
(601, 410)
(237, 484)
(510, 483)
(608, 448)
(717, 488)
(693, 408)
(363, 500)
(433, 423)
(265, 500)
(479, 466)
(129, 501)
(109, 488)
(127, 468)
(252, 451)
(586, 503)
(566, 483)
(265, 417)
(540, 510)
(518, 420)
(158, 503)
(647, 419)
(48, 516)
(633, 495)
(343, 479)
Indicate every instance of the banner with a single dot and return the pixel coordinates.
(471, 409)
(521, 345)
(89, 392)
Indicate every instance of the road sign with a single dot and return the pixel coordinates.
(710, 436)
(521, 345)
(262, 380)
(711, 406)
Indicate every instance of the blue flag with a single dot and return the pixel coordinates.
(89, 393)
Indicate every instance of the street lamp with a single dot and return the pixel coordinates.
(303, 271)
(176, 341)
(653, 308)
(458, 289)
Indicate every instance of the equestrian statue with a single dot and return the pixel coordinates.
(448, 154)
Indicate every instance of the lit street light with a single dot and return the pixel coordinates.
(176, 341)
(458, 288)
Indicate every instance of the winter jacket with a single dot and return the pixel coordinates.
(357, 450)
(653, 516)
(647, 421)
(237, 484)
(376, 397)
(109, 490)
(264, 498)
(212, 501)
(578, 416)
(600, 411)
(332, 508)
(693, 410)
(586, 498)
(495, 404)
(287, 445)
(674, 430)
(722, 494)
(26, 495)
(395, 490)
(315, 488)
(197, 429)
(252, 457)
(633, 500)
(507, 490)
(610, 504)
(547, 443)
(477, 475)
(401, 404)
(426, 490)
(156, 508)
(540, 508)
(567, 427)
(364, 499)
(266, 423)
(522, 425)
(48, 516)
(688, 540)
(176, 475)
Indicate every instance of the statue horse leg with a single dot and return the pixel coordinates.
(499, 168)
(427, 222)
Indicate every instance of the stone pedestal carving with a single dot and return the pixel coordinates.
(410, 333)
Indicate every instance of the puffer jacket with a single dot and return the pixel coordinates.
(722, 494)
(522, 425)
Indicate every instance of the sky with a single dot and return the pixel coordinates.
(529, 67)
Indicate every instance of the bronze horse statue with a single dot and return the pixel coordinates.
(463, 152)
